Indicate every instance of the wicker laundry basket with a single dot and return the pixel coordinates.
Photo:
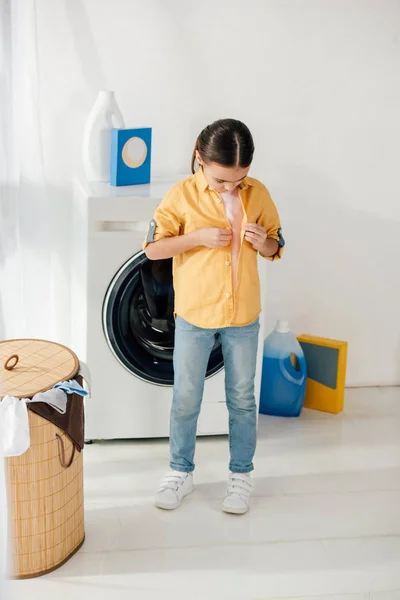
(45, 484)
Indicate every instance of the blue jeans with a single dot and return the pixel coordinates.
(193, 346)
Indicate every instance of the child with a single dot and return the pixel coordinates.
(214, 224)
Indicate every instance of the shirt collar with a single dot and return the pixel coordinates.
(202, 184)
(245, 184)
(200, 180)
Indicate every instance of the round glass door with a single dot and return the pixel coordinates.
(138, 320)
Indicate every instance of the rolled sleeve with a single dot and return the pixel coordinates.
(165, 222)
(269, 219)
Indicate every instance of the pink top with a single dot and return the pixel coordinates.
(234, 213)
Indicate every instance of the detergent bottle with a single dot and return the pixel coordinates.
(284, 374)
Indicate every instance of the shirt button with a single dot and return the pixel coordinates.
(228, 295)
(227, 263)
(218, 200)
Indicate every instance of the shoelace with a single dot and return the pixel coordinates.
(239, 485)
(172, 481)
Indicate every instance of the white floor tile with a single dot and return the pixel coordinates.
(199, 522)
(334, 597)
(375, 561)
(390, 595)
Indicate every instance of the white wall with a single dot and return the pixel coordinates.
(318, 83)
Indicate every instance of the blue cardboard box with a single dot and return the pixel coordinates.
(131, 156)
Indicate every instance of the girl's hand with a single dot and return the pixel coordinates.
(212, 237)
(255, 235)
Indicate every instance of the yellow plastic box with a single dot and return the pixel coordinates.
(326, 373)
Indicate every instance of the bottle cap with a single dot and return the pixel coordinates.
(282, 327)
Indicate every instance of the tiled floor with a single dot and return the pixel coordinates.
(324, 520)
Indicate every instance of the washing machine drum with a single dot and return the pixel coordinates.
(138, 320)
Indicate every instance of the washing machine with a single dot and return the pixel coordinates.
(122, 317)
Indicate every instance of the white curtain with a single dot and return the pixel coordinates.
(27, 226)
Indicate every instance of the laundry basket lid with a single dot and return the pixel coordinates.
(28, 367)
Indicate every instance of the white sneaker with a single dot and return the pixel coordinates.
(173, 488)
(237, 495)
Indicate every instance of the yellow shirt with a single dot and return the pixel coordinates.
(204, 294)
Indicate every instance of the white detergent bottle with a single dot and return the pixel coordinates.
(96, 151)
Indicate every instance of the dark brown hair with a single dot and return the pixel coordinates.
(227, 142)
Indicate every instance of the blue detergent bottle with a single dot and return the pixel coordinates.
(284, 374)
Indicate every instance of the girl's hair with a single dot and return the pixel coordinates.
(227, 142)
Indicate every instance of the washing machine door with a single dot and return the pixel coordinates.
(138, 320)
